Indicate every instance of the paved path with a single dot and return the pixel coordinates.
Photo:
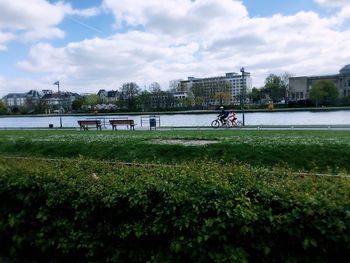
(268, 127)
(248, 127)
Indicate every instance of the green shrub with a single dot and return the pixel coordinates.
(197, 212)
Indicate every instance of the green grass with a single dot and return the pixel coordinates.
(322, 151)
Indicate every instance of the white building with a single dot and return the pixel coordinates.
(15, 100)
(240, 85)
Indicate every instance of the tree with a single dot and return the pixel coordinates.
(174, 85)
(189, 101)
(223, 97)
(275, 87)
(129, 94)
(255, 95)
(145, 100)
(92, 100)
(154, 88)
(323, 92)
(3, 108)
(157, 95)
(285, 80)
(198, 101)
(78, 103)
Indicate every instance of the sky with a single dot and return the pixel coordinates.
(101, 44)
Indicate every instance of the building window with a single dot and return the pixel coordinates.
(301, 95)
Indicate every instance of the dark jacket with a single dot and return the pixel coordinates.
(224, 113)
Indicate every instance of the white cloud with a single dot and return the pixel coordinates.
(135, 56)
(180, 18)
(69, 10)
(333, 3)
(29, 14)
(181, 38)
(33, 20)
(4, 38)
(22, 85)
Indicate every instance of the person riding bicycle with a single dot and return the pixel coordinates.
(223, 114)
(232, 118)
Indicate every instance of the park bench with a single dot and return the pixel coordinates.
(85, 124)
(128, 123)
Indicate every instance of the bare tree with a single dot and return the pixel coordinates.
(174, 85)
(129, 94)
(155, 88)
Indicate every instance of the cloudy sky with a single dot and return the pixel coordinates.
(93, 44)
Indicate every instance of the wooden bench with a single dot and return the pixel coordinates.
(85, 124)
(128, 123)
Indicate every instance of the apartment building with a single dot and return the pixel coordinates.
(236, 84)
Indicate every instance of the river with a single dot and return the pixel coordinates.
(338, 117)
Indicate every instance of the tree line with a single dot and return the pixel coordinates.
(130, 97)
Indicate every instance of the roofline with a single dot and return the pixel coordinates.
(317, 76)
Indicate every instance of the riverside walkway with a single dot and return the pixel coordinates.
(344, 127)
(265, 127)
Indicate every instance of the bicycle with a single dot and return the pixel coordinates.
(228, 123)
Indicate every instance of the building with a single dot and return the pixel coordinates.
(180, 95)
(33, 98)
(299, 87)
(59, 100)
(236, 84)
(108, 97)
(15, 100)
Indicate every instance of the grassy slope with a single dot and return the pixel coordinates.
(326, 151)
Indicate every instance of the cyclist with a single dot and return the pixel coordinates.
(233, 118)
(223, 115)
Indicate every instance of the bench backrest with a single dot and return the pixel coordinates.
(125, 122)
(87, 122)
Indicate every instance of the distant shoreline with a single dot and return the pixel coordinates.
(183, 112)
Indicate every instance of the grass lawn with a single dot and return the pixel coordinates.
(321, 151)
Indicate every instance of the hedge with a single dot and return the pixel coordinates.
(90, 211)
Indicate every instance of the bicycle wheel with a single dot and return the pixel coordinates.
(239, 123)
(226, 124)
(229, 124)
(215, 124)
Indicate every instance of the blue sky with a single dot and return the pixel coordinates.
(89, 45)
